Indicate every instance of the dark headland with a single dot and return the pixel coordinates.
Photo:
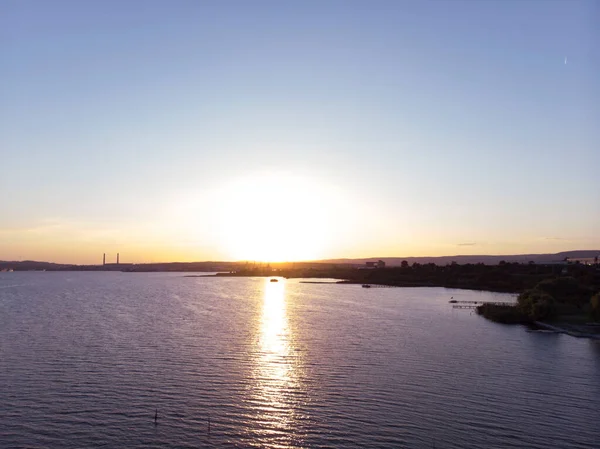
(562, 296)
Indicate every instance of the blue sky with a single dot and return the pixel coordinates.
(442, 127)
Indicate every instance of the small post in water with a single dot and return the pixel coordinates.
(156, 417)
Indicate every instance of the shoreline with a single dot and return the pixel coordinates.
(571, 332)
(342, 278)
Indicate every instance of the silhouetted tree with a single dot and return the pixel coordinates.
(404, 264)
(565, 289)
(595, 306)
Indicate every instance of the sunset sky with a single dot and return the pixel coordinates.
(286, 130)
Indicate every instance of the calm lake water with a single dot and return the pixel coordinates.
(86, 358)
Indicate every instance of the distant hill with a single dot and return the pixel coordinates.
(28, 265)
(31, 265)
(485, 259)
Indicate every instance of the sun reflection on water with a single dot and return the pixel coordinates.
(275, 369)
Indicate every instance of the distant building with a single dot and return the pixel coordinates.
(378, 264)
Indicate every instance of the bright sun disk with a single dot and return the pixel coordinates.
(274, 218)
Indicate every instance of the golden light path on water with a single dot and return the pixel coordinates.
(276, 376)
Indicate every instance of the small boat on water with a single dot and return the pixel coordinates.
(453, 301)
(274, 280)
(366, 286)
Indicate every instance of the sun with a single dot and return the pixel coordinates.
(274, 218)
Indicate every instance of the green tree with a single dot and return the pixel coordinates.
(544, 309)
(537, 304)
(565, 289)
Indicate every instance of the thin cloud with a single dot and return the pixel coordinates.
(466, 244)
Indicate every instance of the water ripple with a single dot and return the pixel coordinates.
(87, 358)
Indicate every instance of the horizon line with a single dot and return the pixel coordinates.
(329, 260)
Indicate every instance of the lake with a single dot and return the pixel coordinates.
(86, 359)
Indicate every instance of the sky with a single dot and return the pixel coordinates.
(230, 130)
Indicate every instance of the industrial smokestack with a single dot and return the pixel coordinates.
(117, 258)
(104, 259)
